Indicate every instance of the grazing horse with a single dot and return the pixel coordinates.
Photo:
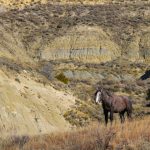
(113, 104)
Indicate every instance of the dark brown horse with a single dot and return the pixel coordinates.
(113, 104)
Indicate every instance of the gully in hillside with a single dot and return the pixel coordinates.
(113, 104)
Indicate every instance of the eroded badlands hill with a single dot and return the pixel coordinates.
(85, 33)
(77, 46)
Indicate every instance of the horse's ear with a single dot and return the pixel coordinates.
(97, 88)
(102, 89)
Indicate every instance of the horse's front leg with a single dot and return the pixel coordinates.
(111, 116)
(106, 116)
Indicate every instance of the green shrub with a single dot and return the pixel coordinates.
(61, 77)
(77, 118)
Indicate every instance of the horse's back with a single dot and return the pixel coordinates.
(122, 103)
(128, 102)
(119, 103)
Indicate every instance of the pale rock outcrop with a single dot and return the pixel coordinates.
(84, 44)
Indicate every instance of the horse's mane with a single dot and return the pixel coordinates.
(108, 93)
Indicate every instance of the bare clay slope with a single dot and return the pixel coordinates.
(28, 107)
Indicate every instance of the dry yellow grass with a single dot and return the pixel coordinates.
(131, 135)
(23, 3)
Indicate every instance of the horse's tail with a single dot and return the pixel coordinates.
(129, 108)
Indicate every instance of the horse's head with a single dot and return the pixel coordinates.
(98, 95)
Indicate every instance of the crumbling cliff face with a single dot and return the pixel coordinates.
(84, 33)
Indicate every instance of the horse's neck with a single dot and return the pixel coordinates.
(106, 95)
(106, 98)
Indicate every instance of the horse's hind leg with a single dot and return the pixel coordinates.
(122, 118)
(129, 110)
(129, 115)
